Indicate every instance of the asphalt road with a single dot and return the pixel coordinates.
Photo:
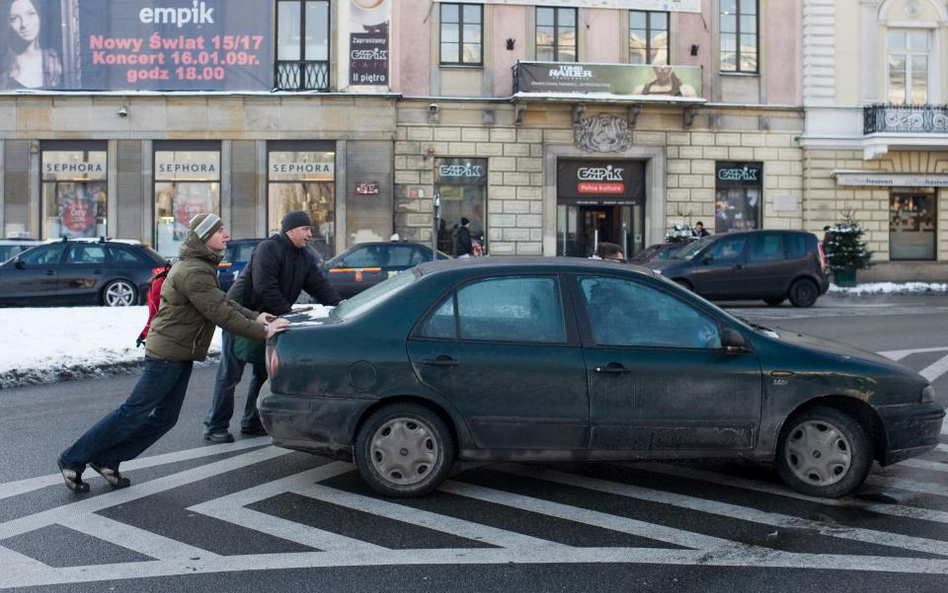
(247, 516)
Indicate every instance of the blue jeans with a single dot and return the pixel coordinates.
(149, 412)
(228, 376)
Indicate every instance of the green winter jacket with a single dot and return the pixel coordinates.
(192, 305)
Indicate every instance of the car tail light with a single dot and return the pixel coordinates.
(156, 271)
(819, 249)
(273, 359)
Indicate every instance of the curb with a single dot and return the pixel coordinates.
(45, 376)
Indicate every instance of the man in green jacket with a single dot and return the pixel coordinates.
(192, 305)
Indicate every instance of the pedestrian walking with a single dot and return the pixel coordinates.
(280, 268)
(192, 304)
(465, 245)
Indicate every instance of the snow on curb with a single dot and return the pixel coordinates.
(890, 288)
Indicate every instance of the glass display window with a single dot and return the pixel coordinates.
(301, 176)
(75, 189)
(738, 197)
(187, 183)
(461, 185)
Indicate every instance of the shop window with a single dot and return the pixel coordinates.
(648, 37)
(302, 47)
(187, 183)
(75, 190)
(556, 34)
(302, 177)
(462, 30)
(912, 225)
(737, 200)
(739, 37)
(908, 60)
(461, 185)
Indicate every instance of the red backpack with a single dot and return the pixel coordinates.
(154, 299)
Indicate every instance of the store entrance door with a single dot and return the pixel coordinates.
(581, 227)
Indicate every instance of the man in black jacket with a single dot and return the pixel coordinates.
(279, 269)
(465, 246)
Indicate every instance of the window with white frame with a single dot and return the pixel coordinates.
(739, 40)
(908, 62)
(648, 37)
(462, 27)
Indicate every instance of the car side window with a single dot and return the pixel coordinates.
(86, 254)
(441, 324)
(796, 245)
(511, 309)
(48, 255)
(120, 255)
(399, 256)
(626, 313)
(365, 257)
(728, 248)
(766, 247)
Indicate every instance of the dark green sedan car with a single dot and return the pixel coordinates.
(549, 359)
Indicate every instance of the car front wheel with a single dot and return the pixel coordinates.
(404, 450)
(119, 293)
(823, 452)
(803, 293)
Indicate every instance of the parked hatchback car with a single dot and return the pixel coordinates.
(768, 265)
(659, 251)
(567, 359)
(80, 271)
(366, 264)
(11, 247)
(235, 260)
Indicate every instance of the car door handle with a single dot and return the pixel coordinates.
(613, 369)
(50, 272)
(96, 271)
(739, 267)
(441, 361)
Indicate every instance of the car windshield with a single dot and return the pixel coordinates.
(373, 297)
(692, 249)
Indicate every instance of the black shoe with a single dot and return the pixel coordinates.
(219, 437)
(111, 475)
(256, 431)
(72, 478)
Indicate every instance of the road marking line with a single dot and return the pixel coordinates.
(728, 510)
(443, 523)
(134, 538)
(896, 510)
(934, 466)
(936, 369)
(907, 485)
(29, 484)
(467, 556)
(678, 537)
(900, 354)
(135, 492)
(232, 508)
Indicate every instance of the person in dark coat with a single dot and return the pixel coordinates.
(700, 231)
(192, 305)
(464, 246)
(280, 268)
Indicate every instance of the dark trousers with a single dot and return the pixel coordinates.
(228, 376)
(149, 412)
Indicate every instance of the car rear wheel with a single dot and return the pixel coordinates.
(119, 293)
(803, 293)
(774, 301)
(823, 452)
(404, 450)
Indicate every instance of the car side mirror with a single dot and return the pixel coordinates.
(732, 341)
(19, 265)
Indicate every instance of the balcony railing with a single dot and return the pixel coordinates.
(301, 76)
(905, 119)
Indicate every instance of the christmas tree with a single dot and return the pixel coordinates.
(843, 244)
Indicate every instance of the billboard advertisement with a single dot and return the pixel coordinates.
(169, 45)
(616, 79)
(368, 42)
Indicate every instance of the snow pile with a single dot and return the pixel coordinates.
(890, 288)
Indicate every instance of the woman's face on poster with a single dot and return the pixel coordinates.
(24, 20)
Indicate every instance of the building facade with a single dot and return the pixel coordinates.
(876, 139)
(550, 126)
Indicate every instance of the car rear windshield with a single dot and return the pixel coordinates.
(373, 297)
(693, 248)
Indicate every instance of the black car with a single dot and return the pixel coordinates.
(768, 265)
(366, 264)
(568, 359)
(80, 271)
(235, 260)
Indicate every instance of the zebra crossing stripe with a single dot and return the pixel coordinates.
(900, 354)
(134, 538)
(728, 510)
(936, 369)
(30, 484)
(907, 485)
(895, 510)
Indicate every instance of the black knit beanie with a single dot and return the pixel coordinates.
(294, 219)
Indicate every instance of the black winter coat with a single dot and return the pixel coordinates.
(278, 273)
(465, 245)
